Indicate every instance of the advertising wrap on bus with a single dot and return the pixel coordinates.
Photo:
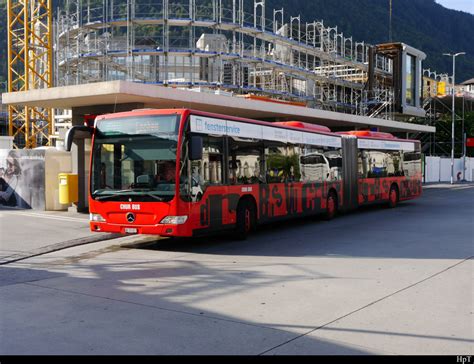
(385, 144)
(212, 126)
(181, 172)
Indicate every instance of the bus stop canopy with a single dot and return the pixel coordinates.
(115, 93)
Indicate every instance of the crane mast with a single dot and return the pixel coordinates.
(30, 54)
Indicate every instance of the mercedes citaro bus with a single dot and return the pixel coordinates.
(180, 172)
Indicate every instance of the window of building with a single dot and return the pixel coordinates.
(410, 80)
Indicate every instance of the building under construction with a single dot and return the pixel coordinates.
(233, 46)
(223, 47)
(98, 57)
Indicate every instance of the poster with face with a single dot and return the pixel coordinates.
(22, 178)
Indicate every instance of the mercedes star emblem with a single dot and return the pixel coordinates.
(130, 217)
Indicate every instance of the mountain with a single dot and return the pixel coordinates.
(422, 24)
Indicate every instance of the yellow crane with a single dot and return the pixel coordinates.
(30, 55)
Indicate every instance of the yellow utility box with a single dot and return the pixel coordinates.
(68, 188)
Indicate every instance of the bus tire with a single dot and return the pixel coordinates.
(246, 219)
(393, 196)
(331, 206)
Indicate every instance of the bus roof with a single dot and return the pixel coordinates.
(301, 125)
(368, 133)
(283, 124)
(307, 127)
(374, 135)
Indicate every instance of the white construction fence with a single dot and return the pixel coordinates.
(438, 169)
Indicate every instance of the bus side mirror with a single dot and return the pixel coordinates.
(77, 132)
(195, 148)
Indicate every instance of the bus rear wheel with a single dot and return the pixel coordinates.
(393, 197)
(246, 219)
(331, 206)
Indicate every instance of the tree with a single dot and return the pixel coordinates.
(443, 133)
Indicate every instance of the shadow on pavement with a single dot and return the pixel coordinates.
(426, 228)
(104, 303)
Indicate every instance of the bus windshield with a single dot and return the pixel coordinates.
(134, 158)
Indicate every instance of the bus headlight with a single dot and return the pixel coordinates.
(174, 220)
(96, 218)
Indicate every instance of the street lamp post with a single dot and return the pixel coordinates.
(453, 110)
(463, 144)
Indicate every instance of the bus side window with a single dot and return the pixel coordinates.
(316, 164)
(395, 166)
(411, 164)
(282, 162)
(198, 175)
(377, 163)
(362, 163)
(334, 158)
(209, 170)
(275, 154)
(293, 172)
(245, 161)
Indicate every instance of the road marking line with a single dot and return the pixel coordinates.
(59, 246)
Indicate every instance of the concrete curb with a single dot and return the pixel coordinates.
(58, 246)
(447, 185)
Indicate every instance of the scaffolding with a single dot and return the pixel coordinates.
(225, 45)
(30, 67)
(437, 88)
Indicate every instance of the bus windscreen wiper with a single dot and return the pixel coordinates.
(108, 196)
(152, 195)
(117, 193)
(121, 193)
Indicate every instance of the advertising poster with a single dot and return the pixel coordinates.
(22, 178)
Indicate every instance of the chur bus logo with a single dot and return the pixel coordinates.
(130, 217)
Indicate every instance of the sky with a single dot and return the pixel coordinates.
(463, 5)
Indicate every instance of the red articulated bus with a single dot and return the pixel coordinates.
(181, 172)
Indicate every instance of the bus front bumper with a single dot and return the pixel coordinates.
(158, 229)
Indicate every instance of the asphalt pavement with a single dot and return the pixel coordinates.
(27, 233)
(376, 281)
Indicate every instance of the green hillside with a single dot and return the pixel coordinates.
(422, 24)
(419, 23)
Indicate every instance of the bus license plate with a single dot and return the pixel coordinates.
(131, 230)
